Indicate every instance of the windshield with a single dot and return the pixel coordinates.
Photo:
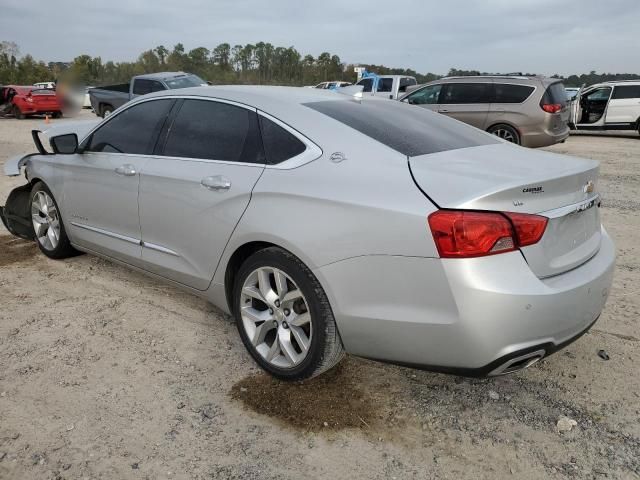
(185, 81)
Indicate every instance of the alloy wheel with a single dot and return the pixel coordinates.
(46, 221)
(275, 316)
(505, 134)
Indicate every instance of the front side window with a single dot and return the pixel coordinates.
(143, 86)
(279, 145)
(460, 93)
(385, 84)
(367, 83)
(626, 91)
(506, 93)
(599, 94)
(133, 131)
(425, 96)
(214, 131)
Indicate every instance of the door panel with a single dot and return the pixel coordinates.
(468, 103)
(101, 205)
(101, 184)
(194, 193)
(185, 224)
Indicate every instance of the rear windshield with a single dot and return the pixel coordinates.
(555, 94)
(409, 130)
(184, 81)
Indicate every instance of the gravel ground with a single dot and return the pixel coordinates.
(105, 373)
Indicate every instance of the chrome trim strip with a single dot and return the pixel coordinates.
(574, 208)
(107, 233)
(159, 248)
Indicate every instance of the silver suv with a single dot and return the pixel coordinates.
(528, 111)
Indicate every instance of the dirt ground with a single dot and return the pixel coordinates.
(105, 373)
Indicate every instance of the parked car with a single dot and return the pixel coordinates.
(49, 85)
(104, 100)
(527, 111)
(327, 225)
(29, 100)
(571, 92)
(607, 106)
(387, 86)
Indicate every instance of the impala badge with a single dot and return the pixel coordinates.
(337, 157)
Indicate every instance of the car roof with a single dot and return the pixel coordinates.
(285, 103)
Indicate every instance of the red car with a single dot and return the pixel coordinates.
(30, 101)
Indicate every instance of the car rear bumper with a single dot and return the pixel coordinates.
(462, 316)
(535, 138)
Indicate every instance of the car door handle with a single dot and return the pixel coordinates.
(443, 110)
(216, 182)
(127, 170)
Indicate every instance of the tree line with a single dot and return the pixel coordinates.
(260, 63)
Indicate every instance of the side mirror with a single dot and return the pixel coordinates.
(65, 144)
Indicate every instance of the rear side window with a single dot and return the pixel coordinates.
(279, 145)
(459, 93)
(142, 86)
(134, 131)
(626, 91)
(406, 129)
(555, 94)
(406, 82)
(385, 84)
(505, 93)
(367, 83)
(214, 131)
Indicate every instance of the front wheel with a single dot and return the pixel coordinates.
(47, 224)
(17, 113)
(284, 317)
(505, 132)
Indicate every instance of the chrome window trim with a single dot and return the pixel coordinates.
(311, 153)
(442, 84)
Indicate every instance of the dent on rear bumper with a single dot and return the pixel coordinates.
(461, 314)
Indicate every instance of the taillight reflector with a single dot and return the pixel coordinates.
(464, 234)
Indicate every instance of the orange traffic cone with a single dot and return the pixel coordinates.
(46, 119)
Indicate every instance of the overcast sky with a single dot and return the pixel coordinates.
(541, 36)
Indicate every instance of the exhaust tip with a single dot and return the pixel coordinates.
(518, 363)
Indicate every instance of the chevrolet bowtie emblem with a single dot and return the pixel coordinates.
(589, 187)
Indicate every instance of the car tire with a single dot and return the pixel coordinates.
(48, 226)
(273, 287)
(106, 110)
(17, 113)
(506, 132)
(57, 115)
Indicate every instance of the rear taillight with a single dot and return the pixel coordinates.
(551, 107)
(464, 234)
(529, 228)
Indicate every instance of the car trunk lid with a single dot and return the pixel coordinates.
(507, 178)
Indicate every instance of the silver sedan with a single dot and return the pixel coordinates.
(328, 224)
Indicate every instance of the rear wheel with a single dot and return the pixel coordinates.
(284, 317)
(57, 115)
(47, 224)
(106, 110)
(17, 113)
(505, 132)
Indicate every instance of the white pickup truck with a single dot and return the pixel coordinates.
(386, 86)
